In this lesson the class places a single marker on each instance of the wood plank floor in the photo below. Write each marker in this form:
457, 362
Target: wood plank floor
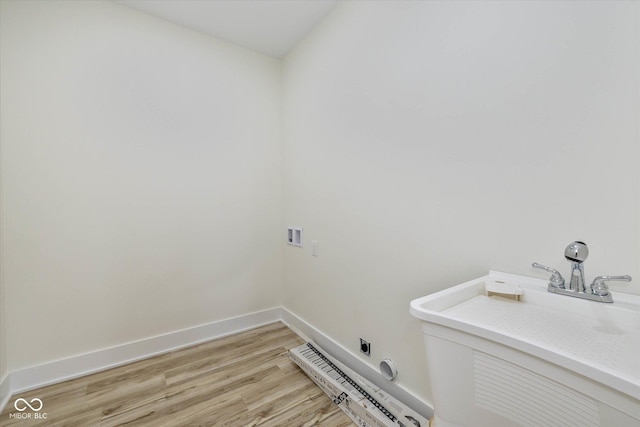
241, 380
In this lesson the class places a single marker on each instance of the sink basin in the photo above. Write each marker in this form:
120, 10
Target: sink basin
562, 345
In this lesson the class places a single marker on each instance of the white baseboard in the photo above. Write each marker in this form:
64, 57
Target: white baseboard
5, 391
84, 364
309, 332
89, 363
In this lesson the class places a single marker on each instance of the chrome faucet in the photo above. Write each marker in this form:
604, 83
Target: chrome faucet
577, 252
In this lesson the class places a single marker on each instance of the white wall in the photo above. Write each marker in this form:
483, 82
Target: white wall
428, 142
3, 345
141, 178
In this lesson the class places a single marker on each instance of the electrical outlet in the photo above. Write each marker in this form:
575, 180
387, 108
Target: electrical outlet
365, 347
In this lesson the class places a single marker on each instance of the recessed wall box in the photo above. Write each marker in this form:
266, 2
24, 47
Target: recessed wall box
294, 236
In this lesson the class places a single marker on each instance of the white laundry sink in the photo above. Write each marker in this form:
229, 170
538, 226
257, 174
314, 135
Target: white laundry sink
547, 359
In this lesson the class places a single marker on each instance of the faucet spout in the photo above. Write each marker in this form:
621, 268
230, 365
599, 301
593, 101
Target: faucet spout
577, 278
577, 252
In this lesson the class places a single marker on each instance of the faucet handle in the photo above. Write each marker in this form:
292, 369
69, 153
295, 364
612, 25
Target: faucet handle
556, 280
598, 287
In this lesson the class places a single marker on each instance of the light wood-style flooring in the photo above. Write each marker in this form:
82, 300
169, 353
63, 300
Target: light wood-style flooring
241, 380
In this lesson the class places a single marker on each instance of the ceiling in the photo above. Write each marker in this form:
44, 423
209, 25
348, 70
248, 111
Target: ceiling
272, 27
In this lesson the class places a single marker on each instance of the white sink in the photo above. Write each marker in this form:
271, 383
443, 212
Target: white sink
580, 347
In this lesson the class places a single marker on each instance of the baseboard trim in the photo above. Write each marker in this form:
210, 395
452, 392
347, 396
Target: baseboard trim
100, 360
84, 364
309, 332
5, 391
